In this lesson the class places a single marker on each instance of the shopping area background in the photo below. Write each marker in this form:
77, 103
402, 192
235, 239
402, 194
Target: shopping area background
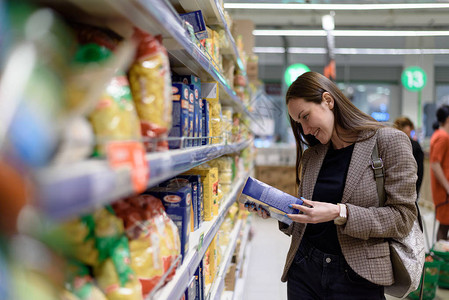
128, 129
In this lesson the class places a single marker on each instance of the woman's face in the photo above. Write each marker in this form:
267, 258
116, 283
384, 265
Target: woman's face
315, 119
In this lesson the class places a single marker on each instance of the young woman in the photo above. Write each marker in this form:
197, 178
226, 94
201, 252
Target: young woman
338, 248
439, 166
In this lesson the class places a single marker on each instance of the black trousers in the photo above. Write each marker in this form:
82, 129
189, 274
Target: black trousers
317, 275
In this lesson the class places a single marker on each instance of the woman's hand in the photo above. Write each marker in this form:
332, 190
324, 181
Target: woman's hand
318, 212
264, 214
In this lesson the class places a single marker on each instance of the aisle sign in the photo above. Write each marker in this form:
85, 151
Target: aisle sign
414, 78
293, 71
131, 155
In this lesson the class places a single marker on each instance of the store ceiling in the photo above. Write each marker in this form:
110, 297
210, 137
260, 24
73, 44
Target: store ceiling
384, 19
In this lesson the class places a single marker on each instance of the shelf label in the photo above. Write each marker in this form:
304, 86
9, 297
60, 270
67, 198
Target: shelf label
200, 242
132, 155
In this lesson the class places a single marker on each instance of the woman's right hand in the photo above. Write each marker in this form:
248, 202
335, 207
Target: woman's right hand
263, 213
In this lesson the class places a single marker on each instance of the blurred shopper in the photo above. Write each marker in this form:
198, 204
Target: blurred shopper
406, 125
439, 165
339, 248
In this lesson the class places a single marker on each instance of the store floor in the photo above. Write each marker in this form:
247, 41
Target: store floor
268, 251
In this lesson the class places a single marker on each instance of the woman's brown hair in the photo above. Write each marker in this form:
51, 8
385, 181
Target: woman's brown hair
349, 122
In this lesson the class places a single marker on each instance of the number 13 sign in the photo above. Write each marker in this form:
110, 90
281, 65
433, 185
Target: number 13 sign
414, 78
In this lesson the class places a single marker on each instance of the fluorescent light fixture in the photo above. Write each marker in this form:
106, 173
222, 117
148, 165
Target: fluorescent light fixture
351, 51
292, 32
300, 6
280, 32
268, 49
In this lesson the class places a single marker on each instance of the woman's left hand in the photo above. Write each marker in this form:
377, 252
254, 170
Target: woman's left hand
318, 212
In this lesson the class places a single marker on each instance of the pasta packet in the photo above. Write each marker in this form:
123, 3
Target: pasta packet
150, 81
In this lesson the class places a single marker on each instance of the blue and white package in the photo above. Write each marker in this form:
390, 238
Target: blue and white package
271, 199
194, 181
177, 203
205, 122
196, 115
195, 18
191, 116
180, 114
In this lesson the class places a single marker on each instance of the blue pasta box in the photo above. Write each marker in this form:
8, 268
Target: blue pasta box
195, 18
177, 202
188, 80
205, 122
199, 276
180, 114
275, 201
191, 117
197, 195
200, 121
196, 115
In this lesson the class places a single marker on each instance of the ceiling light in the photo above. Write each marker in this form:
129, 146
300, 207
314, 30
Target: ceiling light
291, 32
328, 22
268, 49
299, 6
351, 51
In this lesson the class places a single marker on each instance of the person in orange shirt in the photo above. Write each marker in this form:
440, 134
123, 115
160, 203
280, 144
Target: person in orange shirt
439, 175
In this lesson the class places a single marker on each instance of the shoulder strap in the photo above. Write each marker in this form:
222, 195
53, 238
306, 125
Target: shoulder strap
378, 167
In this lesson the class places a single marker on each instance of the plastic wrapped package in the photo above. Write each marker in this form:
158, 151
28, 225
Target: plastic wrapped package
81, 284
225, 176
227, 124
114, 117
108, 231
115, 276
215, 121
150, 81
80, 235
153, 239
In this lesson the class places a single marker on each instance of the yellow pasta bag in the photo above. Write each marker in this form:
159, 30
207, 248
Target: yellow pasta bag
114, 117
80, 236
115, 276
150, 81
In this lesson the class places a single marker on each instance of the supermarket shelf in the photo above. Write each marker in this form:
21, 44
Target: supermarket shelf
69, 190
241, 258
240, 281
163, 167
243, 244
218, 284
199, 241
156, 17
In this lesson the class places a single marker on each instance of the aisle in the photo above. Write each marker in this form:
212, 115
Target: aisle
269, 248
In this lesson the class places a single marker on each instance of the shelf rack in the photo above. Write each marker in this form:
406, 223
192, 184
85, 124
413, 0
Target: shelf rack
199, 241
218, 284
68, 190
156, 17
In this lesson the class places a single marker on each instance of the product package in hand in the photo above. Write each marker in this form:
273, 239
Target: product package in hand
269, 198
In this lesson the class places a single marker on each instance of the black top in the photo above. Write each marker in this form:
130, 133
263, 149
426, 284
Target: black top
329, 188
419, 157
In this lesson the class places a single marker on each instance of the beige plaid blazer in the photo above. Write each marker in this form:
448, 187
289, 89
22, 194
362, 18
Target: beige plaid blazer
362, 238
